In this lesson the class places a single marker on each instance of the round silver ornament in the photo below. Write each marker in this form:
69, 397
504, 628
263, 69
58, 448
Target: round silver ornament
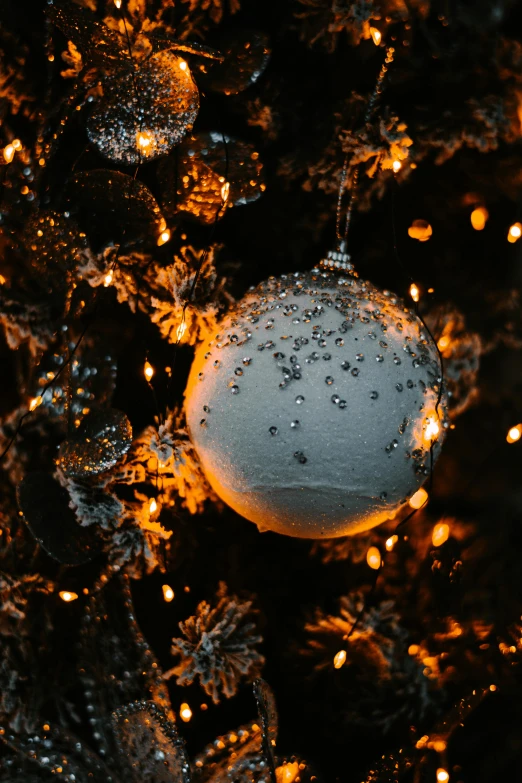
317, 408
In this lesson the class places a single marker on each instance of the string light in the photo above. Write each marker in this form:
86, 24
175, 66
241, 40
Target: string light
225, 192
479, 218
144, 141
108, 278
397, 166
339, 659
182, 328
163, 237
376, 35
415, 292
420, 230
440, 534
432, 428
168, 593
514, 434
35, 402
515, 232
418, 499
442, 775
373, 558
287, 773
183, 65
148, 371
153, 506
117, 3
9, 152
390, 542
443, 343
185, 713
67, 596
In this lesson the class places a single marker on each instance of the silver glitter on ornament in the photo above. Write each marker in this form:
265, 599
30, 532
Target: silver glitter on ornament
359, 461
147, 107
99, 442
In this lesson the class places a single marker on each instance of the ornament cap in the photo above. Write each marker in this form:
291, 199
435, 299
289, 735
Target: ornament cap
338, 259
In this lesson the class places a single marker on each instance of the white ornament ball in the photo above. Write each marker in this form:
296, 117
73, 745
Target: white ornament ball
315, 406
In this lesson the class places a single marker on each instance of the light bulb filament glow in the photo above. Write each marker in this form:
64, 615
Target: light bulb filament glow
185, 713
373, 558
414, 292
514, 434
339, 659
168, 593
418, 499
67, 596
148, 371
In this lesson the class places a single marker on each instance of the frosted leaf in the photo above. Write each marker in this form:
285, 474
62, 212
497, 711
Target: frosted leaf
150, 743
219, 646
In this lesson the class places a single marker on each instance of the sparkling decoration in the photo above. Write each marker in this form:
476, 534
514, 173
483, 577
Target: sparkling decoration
55, 245
46, 509
102, 438
146, 108
363, 377
246, 55
116, 207
205, 175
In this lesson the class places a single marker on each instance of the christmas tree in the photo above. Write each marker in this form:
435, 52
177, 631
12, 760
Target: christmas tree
194, 196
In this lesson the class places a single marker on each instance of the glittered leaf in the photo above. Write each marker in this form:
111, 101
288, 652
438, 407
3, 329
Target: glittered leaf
193, 181
145, 109
102, 438
150, 744
45, 506
116, 207
116, 664
95, 41
246, 55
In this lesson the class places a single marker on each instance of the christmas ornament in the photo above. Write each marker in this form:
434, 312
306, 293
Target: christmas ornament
147, 107
101, 439
316, 409
46, 509
205, 174
116, 208
246, 55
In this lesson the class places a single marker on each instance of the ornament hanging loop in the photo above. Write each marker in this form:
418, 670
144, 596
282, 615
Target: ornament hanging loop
339, 259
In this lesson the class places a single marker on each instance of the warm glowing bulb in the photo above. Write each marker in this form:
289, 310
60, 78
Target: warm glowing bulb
107, 280
414, 292
153, 506
479, 218
182, 328
163, 237
117, 3
442, 776
185, 713
443, 343
418, 499
390, 542
397, 166
35, 402
17, 144
514, 434
339, 659
440, 534
515, 232
432, 428
168, 593
373, 558
287, 773
144, 142
183, 65
225, 192
376, 35
421, 230
67, 596
9, 152
148, 371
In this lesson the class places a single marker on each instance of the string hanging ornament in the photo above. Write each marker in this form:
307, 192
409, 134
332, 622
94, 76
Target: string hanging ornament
317, 408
